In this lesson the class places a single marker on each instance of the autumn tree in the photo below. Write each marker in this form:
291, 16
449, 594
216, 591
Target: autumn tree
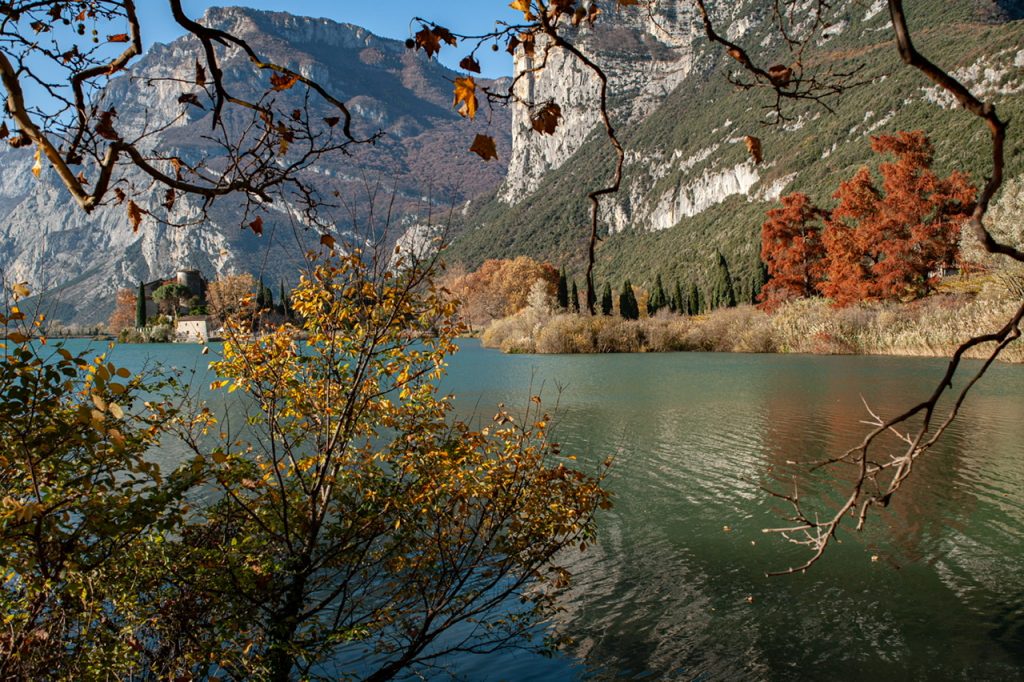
886, 243
229, 294
500, 288
366, 523
793, 251
124, 313
81, 495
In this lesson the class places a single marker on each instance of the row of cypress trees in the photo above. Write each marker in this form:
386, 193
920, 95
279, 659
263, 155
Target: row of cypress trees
679, 299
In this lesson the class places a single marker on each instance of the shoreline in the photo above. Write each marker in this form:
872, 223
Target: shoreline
934, 328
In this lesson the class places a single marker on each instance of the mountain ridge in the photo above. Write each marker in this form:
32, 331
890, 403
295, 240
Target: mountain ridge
47, 241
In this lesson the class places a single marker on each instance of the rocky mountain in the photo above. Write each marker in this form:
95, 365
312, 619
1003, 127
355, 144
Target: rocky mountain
422, 162
690, 186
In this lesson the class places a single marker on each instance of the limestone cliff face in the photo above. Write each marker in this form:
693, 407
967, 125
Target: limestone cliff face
645, 56
81, 260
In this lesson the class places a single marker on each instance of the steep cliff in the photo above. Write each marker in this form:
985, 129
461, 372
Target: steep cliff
422, 159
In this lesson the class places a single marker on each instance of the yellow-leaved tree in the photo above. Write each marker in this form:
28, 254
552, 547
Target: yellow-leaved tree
357, 526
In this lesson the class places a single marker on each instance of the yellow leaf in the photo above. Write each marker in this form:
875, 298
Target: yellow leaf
21, 290
38, 167
465, 92
218, 384
524, 7
100, 403
116, 410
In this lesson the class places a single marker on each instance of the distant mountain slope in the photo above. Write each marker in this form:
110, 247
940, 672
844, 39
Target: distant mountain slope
48, 242
690, 186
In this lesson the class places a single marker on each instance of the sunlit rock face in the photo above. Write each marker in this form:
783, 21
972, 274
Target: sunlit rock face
644, 55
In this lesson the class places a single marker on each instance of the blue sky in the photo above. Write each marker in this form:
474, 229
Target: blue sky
389, 18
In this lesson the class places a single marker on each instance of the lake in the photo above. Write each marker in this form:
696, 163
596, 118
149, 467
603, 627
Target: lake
933, 589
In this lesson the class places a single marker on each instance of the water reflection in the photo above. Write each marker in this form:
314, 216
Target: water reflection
665, 593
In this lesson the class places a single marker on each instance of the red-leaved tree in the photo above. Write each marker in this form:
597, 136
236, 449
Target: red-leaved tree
793, 251
887, 244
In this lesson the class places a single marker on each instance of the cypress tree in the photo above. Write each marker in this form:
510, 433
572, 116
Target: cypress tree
140, 306
628, 307
657, 299
724, 294
575, 298
562, 293
759, 280
261, 298
693, 303
284, 301
264, 296
606, 299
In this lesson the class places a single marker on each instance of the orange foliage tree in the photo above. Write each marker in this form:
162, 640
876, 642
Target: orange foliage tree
226, 296
793, 251
885, 244
499, 288
123, 316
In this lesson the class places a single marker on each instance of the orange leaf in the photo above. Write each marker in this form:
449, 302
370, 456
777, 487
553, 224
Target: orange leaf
200, 74
257, 226
327, 240
134, 215
780, 75
283, 81
754, 147
546, 120
118, 38
429, 41
105, 127
484, 147
465, 92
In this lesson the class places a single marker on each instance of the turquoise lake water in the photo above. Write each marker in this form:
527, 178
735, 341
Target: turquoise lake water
675, 589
